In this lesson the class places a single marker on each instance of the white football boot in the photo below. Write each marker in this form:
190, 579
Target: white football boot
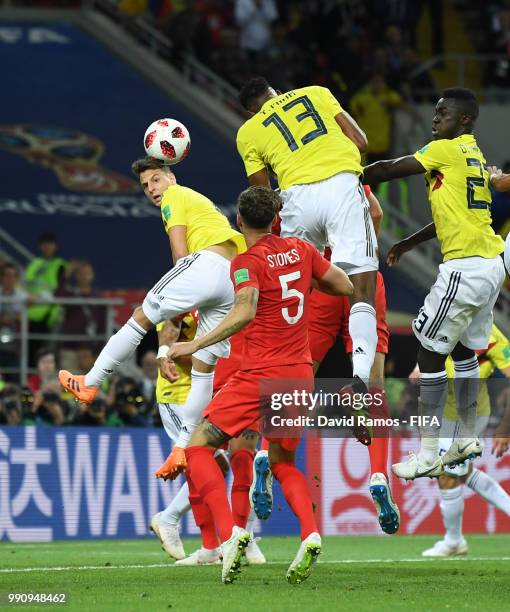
202, 556
307, 554
461, 450
442, 549
413, 468
253, 554
168, 536
232, 551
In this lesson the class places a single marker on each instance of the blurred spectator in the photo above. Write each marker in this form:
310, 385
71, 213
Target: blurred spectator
128, 404
372, 108
254, 18
85, 358
230, 61
11, 406
394, 48
93, 415
10, 317
46, 371
500, 209
44, 275
48, 407
416, 89
82, 319
189, 32
149, 365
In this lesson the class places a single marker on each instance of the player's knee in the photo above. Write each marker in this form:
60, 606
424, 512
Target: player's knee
246, 440
277, 454
461, 352
141, 318
363, 288
447, 482
429, 361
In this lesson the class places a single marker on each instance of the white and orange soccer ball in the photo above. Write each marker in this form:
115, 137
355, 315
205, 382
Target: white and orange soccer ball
167, 140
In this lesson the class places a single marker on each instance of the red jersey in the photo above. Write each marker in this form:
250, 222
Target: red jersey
282, 270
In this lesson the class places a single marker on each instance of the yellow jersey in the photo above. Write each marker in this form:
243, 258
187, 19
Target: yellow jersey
496, 355
177, 392
205, 224
458, 188
297, 136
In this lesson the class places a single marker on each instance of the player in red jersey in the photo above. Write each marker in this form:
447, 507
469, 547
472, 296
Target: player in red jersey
329, 318
272, 281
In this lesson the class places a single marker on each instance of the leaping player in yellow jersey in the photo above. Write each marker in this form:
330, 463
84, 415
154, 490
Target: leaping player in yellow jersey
497, 355
456, 318
313, 146
203, 243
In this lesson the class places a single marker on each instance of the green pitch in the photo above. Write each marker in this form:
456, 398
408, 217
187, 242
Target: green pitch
354, 573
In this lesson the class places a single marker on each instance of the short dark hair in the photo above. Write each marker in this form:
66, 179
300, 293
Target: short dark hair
251, 90
148, 163
465, 98
258, 206
47, 237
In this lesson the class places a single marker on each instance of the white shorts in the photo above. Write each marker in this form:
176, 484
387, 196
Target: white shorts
335, 213
459, 305
448, 432
202, 281
172, 417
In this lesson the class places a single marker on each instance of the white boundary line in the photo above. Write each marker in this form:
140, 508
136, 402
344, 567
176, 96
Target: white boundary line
73, 568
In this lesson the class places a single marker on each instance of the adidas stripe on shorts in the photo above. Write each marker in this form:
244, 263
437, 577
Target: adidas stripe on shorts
459, 305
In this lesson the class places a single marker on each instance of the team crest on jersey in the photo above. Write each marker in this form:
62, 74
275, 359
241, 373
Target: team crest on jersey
241, 276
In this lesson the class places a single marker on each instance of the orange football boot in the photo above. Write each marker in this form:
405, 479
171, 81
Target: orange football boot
76, 385
174, 465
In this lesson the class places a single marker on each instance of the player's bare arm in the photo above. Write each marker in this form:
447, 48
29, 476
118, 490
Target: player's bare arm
177, 236
388, 169
242, 313
167, 335
500, 181
260, 178
334, 282
407, 244
352, 130
376, 212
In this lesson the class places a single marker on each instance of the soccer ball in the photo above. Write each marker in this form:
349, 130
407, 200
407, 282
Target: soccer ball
167, 140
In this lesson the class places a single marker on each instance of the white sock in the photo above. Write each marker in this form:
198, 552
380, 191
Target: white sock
118, 348
178, 506
200, 394
252, 518
363, 332
489, 489
452, 509
467, 385
433, 393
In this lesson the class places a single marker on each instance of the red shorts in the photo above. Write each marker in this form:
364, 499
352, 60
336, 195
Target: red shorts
329, 317
237, 406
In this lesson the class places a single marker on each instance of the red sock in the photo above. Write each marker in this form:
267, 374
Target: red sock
297, 495
241, 463
203, 517
209, 482
264, 445
378, 450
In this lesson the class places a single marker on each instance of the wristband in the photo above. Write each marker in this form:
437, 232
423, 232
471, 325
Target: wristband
162, 351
